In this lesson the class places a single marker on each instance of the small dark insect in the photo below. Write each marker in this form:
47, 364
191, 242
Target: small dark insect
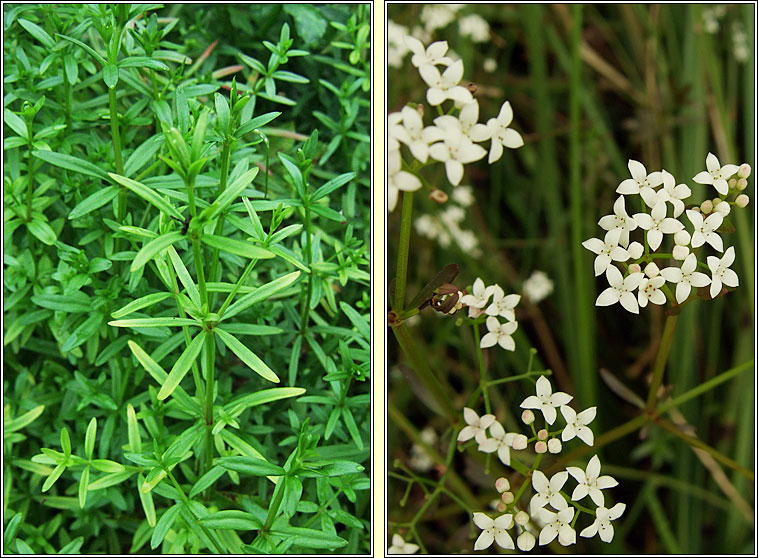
185, 223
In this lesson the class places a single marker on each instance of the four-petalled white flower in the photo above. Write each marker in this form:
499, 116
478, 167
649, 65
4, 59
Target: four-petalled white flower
493, 530
456, 150
602, 524
607, 250
557, 525
547, 492
640, 179
432, 55
685, 277
445, 86
478, 299
502, 305
501, 134
576, 424
590, 482
500, 441
399, 546
475, 426
413, 134
619, 220
545, 400
705, 229
499, 334
620, 290
398, 179
721, 274
657, 224
716, 174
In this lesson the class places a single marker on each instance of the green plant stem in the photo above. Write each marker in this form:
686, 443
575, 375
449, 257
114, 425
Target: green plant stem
211, 535
425, 374
482, 370
304, 311
236, 287
210, 361
226, 155
30, 173
402, 253
660, 360
68, 100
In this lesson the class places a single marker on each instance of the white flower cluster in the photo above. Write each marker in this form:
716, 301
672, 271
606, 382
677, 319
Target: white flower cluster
502, 306
446, 226
541, 523
658, 190
538, 286
452, 140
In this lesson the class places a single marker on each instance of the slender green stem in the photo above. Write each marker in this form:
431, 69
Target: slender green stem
482, 370
210, 361
304, 311
219, 549
526, 481
402, 253
30, 172
236, 287
226, 156
660, 360
115, 135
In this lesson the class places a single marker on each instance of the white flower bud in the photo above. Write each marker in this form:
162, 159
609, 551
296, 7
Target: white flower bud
507, 497
526, 541
724, 208
502, 484
500, 506
635, 250
522, 518
706, 207
554, 445
682, 238
635, 268
519, 442
527, 417
542, 434
540, 447
744, 170
732, 182
742, 200
651, 270
741, 184
681, 252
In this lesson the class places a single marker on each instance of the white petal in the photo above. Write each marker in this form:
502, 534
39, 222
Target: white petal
616, 511
698, 279
628, 186
540, 482
712, 162
512, 139
504, 540
606, 481
531, 402
488, 340
544, 389
549, 414
590, 531
547, 534
682, 291
629, 302
470, 416
654, 239
484, 541
729, 278
585, 435
505, 116
593, 467
637, 170
715, 287
507, 343
454, 171
560, 398
607, 297
703, 177
715, 241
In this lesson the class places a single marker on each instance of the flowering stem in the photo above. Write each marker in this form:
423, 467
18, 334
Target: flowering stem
660, 360
402, 254
482, 369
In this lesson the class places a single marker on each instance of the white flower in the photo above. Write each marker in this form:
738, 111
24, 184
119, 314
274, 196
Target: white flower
525, 541
545, 400
590, 482
716, 174
501, 134
685, 278
538, 286
474, 26
413, 134
620, 290
466, 123
500, 334
705, 230
650, 290
445, 86
437, 16
657, 224
399, 546
503, 305
501, 442
602, 524
673, 193
576, 424
607, 250
721, 273
434, 53
455, 151
493, 530
547, 492
396, 47
476, 426
463, 195
640, 179
398, 179
557, 524
478, 298
619, 220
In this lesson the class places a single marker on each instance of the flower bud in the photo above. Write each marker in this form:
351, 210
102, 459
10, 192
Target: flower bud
706, 207
526, 541
522, 518
741, 184
527, 417
744, 170
742, 200
696, 209
438, 196
635, 250
732, 182
502, 484
554, 445
651, 270
500, 506
724, 208
681, 252
682, 238
519, 442
540, 447
507, 497
635, 268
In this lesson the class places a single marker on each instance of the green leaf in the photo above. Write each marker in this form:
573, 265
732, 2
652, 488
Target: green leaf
182, 365
71, 163
222, 111
328, 213
153, 247
38, 33
110, 75
250, 466
24, 420
15, 123
65, 442
185, 277
11, 530
154, 322
50, 481
75, 302
231, 193
147, 194
255, 123
262, 397
83, 483
261, 293
140, 303
83, 332
94, 201
109, 479
107, 466
89, 438
207, 480
309, 538
252, 329
309, 21
332, 185
135, 441
237, 247
295, 173
232, 519
70, 68
72, 547
246, 355
143, 154
163, 525
147, 501
42, 231
142, 62
102, 61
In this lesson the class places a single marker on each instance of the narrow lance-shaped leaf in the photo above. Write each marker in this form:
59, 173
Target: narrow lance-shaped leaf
83, 484
262, 397
147, 194
140, 303
231, 519
147, 502
332, 185
163, 525
185, 277
24, 420
246, 355
15, 122
42, 231
89, 439
261, 293
150, 249
207, 480
38, 33
97, 56
70, 162
237, 247
94, 201
182, 366
154, 322
250, 466
231, 193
